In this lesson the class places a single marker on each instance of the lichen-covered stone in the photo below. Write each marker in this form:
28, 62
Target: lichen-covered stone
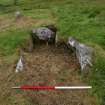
83, 53
43, 34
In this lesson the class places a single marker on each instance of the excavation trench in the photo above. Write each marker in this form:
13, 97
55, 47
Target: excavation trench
45, 66
54, 66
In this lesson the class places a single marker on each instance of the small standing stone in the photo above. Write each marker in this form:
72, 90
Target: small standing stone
18, 15
19, 66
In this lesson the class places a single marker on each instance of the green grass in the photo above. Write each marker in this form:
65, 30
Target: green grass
10, 40
84, 20
98, 79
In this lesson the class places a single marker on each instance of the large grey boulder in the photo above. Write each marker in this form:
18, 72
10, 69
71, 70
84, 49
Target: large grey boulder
46, 34
83, 53
42, 33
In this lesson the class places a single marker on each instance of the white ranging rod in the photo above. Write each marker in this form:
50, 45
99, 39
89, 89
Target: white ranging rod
73, 87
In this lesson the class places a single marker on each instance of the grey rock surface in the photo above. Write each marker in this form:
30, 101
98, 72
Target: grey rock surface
19, 66
83, 53
43, 33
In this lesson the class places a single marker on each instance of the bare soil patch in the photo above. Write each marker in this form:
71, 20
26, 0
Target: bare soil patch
46, 66
25, 22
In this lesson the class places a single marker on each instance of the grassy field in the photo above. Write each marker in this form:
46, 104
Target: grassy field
83, 19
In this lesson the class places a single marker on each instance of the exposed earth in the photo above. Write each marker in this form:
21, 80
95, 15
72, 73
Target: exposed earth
46, 66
